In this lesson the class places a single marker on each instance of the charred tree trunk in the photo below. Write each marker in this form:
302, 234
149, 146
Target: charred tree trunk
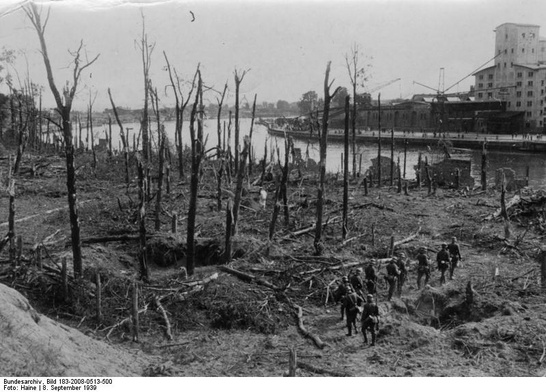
229, 224
405, 155
288, 147
123, 139
196, 156
319, 247
250, 153
379, 142
220, 153
392, 157
238, 81
239, 188
346, 170
143, 258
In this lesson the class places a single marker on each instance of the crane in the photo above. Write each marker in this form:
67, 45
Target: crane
382, 85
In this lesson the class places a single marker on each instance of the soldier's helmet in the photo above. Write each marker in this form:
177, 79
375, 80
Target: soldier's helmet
369, 296
421, 250
349, 289
444, 245
359, 270
344, 279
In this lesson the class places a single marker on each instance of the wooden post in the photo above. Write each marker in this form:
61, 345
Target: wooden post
391, 247
98, 298
399, 177
419, 171
484, 168
406, 188
392, 157
292, 362
405, 155
174, 222
504, 213
134, 311
360, 166
39, 257
365, 187
19, 248
457, 178
168, 180
64, 277
429, 180
229, 223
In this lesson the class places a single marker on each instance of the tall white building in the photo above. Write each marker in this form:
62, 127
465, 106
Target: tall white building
519, 74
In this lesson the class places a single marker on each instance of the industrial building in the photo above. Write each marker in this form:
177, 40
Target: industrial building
518, 75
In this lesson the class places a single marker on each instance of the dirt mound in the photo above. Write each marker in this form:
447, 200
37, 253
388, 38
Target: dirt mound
34, 345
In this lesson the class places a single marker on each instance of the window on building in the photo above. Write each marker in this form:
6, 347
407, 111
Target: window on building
529, 114
522, 50
530, 74
506, 36
511, 65
519, 74
505, 51
530, 83
499, 52
518, 84
508, 104
504, 65
522, 35
480, 95
480, 85
498, 65
518, 94
542, 82
489, 95
529, 104
518, 104
532, 35
533, 50
512, 50
480, 77
490, 85
530, 93
490, 76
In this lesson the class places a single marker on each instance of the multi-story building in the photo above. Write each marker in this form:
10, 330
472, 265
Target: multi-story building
518, 75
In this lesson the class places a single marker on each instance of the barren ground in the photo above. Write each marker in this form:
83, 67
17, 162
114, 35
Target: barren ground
238, 328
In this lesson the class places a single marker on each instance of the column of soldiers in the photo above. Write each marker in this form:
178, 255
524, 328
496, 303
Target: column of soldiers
351, 290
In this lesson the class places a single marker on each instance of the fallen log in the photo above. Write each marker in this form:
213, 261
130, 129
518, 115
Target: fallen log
309, 229
314, 369
249, 278
318, 342
407, 239
125, 320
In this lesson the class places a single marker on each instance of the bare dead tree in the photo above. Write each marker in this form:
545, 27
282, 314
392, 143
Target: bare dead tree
357, 75
143, 254
123, 138
346, 170
319, 247
250, 134
239, 187
196, 156
90, 116
239, 76
64, 107
180, 106
146, 52
161, 140
220, 151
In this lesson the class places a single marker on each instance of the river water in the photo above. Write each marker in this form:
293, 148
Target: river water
497, 159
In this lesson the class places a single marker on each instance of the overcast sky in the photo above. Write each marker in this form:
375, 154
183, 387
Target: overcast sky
284, 44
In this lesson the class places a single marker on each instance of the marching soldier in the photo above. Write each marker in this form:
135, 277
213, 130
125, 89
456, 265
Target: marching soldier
423, 267
357, 282
442, 259
370, 319
351, 303
401, 264
392, 277
341, 293
371, 278
455, 256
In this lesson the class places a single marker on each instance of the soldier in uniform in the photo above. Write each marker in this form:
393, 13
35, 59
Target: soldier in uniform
401, 264
392, 277
341, 292
370, 318
442, 259
455, 255
371, 278
357, 282
351, 303
423, 267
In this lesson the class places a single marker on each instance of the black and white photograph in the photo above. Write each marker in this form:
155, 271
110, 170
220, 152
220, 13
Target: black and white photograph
239, 189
